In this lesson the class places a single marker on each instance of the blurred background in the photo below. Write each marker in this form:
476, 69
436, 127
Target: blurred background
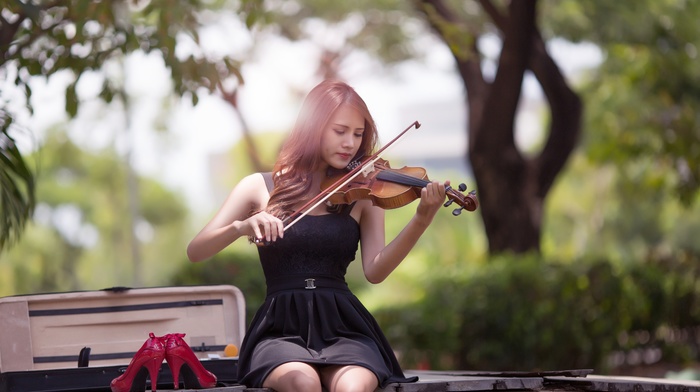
126, 123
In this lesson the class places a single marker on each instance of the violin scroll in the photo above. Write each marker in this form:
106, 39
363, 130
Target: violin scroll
468, 201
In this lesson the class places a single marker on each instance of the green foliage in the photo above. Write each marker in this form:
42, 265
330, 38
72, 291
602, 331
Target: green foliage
382, 28
79, 35
43, 38
641, 102
617, 281
531, 314
459, 37
17, 186
598, 211
81, 237
268, 145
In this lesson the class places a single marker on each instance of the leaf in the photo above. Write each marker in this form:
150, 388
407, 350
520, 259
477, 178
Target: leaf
17, 187
107, 94
71, 100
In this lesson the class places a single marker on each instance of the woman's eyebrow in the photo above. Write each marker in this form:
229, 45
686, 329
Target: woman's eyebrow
347, 126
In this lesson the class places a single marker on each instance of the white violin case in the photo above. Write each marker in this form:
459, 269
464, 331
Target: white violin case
80, 341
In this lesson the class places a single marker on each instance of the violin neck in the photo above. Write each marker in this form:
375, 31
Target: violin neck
405, 179
400, 178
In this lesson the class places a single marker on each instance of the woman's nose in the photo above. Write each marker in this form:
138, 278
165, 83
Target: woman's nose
349, 141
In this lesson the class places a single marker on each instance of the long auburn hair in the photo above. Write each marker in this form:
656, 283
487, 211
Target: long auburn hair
300, 154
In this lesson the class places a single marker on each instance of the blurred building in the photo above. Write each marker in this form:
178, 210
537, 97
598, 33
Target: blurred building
440, 144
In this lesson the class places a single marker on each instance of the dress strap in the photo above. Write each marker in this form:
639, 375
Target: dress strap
347, 208
268, 181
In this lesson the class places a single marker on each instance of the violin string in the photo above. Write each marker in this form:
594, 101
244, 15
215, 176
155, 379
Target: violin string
401, 178
405, 179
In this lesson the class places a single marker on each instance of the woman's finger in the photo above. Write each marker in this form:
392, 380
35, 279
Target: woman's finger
280, 228
256, 232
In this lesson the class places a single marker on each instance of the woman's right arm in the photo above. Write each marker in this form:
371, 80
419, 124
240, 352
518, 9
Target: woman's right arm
232, 221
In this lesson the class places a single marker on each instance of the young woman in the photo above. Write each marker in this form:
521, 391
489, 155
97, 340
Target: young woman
312, 332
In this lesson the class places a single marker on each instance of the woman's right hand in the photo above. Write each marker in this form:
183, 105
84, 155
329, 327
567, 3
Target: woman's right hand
232, 221
263, 227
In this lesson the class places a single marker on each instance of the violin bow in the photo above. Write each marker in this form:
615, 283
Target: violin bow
366, 167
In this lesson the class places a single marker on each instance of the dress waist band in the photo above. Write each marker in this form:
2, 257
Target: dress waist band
302, 282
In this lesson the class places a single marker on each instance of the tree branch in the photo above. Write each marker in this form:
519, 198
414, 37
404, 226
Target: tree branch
7, 34
566, 109
507, 85
468, 66
565, 106
9, 30
498, 19
232, 99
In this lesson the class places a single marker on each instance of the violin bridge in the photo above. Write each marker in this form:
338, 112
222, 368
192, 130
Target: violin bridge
367, 169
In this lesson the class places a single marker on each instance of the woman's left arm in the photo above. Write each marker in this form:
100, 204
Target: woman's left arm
378, 260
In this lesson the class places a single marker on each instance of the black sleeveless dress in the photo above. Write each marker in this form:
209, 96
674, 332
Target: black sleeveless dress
309, 314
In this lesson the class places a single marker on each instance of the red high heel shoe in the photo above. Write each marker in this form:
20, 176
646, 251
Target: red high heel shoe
149, 358
178, 353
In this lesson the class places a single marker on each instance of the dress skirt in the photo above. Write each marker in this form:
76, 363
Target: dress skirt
319, 321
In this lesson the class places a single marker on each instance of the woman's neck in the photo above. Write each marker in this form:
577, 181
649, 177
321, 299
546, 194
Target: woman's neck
316, 180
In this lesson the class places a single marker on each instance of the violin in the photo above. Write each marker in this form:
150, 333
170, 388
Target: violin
374, 179
389, 188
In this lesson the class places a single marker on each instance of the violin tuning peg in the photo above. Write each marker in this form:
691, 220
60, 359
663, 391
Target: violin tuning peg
473, 192
462, 187
457, 211
447, 203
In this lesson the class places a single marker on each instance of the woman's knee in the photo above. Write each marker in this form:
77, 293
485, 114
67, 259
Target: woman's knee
355, 385
350, 379
293, 377
301, 382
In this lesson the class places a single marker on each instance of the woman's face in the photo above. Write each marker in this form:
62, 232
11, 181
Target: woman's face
342, 137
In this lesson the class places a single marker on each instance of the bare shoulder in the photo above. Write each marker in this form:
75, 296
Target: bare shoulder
253, 188
364, 210
253, 181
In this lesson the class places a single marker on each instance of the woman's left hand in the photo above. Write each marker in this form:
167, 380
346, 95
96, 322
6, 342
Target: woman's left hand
432, 197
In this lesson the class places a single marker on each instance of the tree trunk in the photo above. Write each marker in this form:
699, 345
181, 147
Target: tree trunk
511, 187
232, 99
